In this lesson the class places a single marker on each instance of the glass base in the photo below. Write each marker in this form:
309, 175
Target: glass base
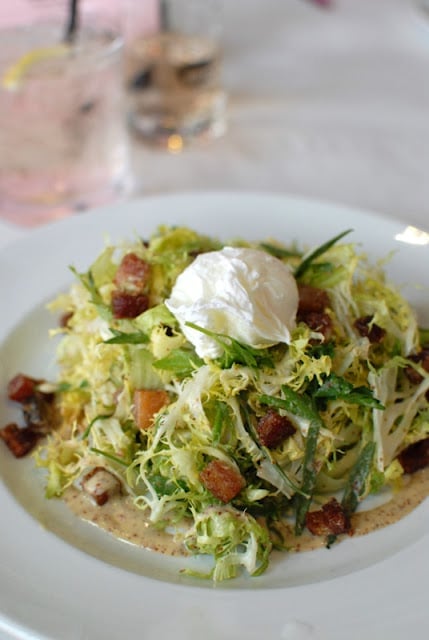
165, 129
158, 135
27, 213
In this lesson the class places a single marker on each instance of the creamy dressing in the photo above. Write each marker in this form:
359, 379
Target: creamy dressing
122, 519
414, 490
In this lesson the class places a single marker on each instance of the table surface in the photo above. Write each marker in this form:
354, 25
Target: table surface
331, 104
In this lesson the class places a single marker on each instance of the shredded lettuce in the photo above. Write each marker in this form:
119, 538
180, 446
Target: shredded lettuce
352, 406
233, 538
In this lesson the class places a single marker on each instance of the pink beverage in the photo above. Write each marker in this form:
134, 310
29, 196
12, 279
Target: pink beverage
63, 138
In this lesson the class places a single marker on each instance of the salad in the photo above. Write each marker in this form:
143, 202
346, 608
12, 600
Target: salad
228, 387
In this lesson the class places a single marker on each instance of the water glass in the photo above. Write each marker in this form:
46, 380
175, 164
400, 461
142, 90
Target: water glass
174, 75
63, 132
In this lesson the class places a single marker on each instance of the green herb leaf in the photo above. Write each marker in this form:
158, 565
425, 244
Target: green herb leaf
221, 414
165, 486
182, 362
309, 259
322, 349
336, 387
299, 405
120, 337
87, 281
234, 352
358, 478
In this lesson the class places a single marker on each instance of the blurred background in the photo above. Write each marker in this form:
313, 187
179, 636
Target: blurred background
326, 99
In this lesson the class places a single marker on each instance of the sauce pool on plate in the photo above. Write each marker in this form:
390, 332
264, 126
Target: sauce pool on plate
122, 519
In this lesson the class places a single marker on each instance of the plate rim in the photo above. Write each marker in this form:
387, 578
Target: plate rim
62, 227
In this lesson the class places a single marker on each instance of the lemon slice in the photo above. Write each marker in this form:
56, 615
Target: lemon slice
15, 73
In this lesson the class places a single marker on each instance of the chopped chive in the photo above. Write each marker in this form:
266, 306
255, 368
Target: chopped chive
221, 412
309, 476
356, 484
309, 259
109, 456
357, 478
279, 252
89, 427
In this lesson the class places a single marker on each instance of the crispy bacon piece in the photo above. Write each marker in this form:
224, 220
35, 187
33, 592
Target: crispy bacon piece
415, 456
373, 332
413, 376
320, 322
273, 428
128, 305
132, 274
100, 485
38, 410
130, 298
312, 299
222, 480
64, 319
331, 519
422, 358
311, 309
20, 441
21, 387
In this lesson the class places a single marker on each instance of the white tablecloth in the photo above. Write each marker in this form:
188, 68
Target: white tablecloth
331, 104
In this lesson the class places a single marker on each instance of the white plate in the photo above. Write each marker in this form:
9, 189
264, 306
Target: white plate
63, 579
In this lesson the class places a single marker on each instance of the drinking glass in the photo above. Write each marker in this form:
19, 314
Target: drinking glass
63, 132
174, 75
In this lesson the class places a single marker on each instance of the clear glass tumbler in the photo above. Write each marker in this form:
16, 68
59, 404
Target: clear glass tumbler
63, 132
174, 75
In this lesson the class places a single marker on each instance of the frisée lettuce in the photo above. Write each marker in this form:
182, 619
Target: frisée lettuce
220, 449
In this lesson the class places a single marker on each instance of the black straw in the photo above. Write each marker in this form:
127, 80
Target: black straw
72, 21
164, 17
